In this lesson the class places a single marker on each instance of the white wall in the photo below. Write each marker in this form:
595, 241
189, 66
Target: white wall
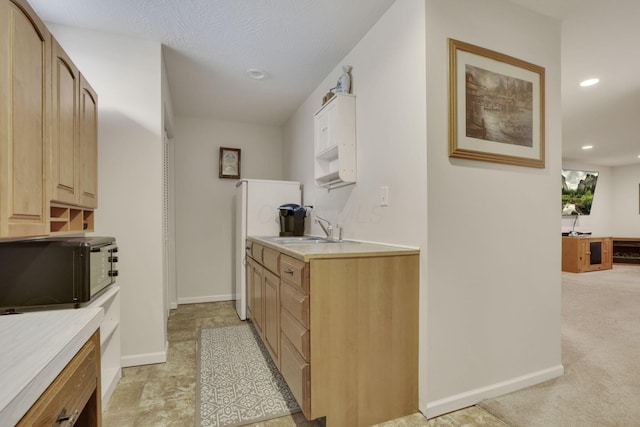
203, 202
493, 273
126, 73
600, 221
625, 201
490, 317
389, 84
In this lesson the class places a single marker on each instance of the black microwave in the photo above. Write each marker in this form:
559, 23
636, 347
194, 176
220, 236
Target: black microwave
55, 271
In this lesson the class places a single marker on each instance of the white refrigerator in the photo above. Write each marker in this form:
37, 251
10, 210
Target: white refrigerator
256, 214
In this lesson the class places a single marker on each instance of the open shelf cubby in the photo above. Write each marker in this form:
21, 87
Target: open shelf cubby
626, 250
69, 219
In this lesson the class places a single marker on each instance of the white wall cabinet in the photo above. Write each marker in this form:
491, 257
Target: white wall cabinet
335, 142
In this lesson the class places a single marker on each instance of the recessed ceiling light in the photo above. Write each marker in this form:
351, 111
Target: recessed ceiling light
589, 82
255, 73
587, 147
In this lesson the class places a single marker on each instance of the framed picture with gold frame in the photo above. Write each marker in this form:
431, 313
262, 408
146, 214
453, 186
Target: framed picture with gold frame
229, 163
496, 107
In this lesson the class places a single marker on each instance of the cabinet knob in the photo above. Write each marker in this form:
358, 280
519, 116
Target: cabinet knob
288, 271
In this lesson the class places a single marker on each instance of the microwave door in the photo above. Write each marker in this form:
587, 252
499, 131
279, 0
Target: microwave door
101, 268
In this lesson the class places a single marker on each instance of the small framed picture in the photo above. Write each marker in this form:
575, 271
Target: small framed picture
229, 163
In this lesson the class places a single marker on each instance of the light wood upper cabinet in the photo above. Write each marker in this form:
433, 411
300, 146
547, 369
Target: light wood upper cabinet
25, 82
74, 138
48, 132
64, 127
88, 157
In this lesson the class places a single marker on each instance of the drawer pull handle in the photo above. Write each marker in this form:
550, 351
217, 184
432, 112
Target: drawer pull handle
69, 419
288, 271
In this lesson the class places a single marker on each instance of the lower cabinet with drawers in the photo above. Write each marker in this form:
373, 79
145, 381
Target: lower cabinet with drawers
74, 396
342, 330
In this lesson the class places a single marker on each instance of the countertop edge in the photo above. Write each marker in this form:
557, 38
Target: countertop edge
18, 406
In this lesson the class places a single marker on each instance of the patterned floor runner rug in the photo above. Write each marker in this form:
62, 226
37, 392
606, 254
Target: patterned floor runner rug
237, 382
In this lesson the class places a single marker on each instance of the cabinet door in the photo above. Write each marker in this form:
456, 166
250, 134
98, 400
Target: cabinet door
25, 81
250, 287
258, 300
64, 127
607, 253
598, 254
271, 327
88, 148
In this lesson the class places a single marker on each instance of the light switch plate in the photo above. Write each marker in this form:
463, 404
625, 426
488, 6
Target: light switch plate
384, 195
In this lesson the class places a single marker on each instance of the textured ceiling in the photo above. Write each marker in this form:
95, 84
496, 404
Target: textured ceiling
209, 44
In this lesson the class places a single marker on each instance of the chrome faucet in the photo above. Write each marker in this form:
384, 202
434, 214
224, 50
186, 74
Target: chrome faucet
328, 230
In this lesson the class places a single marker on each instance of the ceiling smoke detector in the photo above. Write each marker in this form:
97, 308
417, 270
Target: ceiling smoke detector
255, 73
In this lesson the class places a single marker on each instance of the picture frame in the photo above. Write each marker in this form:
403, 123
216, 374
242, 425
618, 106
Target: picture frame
229, 163
496, 107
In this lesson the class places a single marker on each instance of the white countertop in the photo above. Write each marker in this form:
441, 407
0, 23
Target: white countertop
343, 249
34, 348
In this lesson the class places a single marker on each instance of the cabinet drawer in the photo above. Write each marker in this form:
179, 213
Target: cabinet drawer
270, 259
294, 272
296, 333
296, 302
297, 374
256, 252
70, 391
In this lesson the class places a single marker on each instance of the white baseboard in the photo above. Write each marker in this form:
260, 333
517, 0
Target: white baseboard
144, 359
210, 298
470, 398
111, 388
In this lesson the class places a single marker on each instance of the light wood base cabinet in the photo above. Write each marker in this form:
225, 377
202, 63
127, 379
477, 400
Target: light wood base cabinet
580, 254
348, 342
364, 339
74, 396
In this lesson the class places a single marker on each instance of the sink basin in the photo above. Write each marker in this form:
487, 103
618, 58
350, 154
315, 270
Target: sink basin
305, 240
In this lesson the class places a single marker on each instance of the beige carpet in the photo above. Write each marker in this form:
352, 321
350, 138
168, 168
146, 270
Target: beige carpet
600, 354
237, 381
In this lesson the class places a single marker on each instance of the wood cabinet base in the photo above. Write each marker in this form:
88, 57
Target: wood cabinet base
580, 254
364, 339
73, 398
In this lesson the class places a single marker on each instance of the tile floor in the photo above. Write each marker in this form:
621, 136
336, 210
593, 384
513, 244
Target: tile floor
164, 394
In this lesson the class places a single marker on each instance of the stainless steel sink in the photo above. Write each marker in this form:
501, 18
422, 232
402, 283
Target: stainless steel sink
301, 240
